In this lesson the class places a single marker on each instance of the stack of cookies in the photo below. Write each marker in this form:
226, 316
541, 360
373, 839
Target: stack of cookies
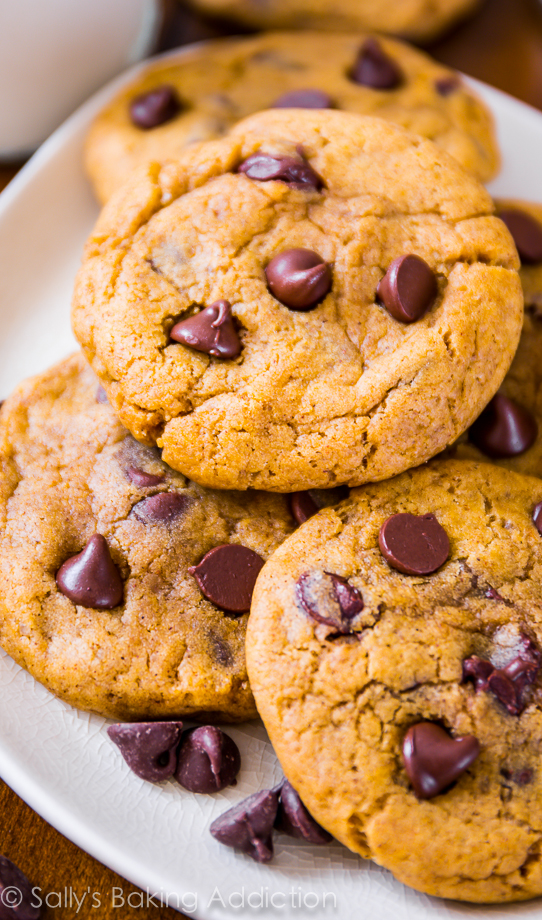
283, 320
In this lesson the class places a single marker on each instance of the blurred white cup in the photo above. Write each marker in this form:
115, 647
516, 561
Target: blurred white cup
55, 53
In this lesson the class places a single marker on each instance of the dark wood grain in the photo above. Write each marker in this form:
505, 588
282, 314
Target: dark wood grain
502, 45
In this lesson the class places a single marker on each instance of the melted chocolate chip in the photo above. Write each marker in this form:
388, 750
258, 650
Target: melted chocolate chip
101, 396
414, 544
227, 574
143, 480
91, 578
162, 508
537, 517
526, 232
295, 172
408, 289
445, 86
154, 108
509, 683
504, 428
211, 331
208, 760
329, 599
375, 68
304, 99
298, 278
304, 505
433, 760
149, 748
16, 898
294, 819
249, 826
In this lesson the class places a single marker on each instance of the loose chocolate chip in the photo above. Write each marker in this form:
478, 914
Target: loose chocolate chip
375, 68
149, 748
445, 86
304, 99
504, 428
296, 173
329, 599
227, 574
162, 508
141, 479
433, 760
304, 505
101, 396
149, 110
294, 819
16, 898
208, 760
537, 517
211, 331
298, 278
414, 544
91, 578
509, 683
526, 232
249, 826
408, 288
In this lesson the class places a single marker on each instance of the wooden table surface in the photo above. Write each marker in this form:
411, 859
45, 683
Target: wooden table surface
501, 44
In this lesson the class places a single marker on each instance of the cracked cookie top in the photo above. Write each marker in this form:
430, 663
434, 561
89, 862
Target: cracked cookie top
109, 558
200, 93
416, 19
373, 295
406, 709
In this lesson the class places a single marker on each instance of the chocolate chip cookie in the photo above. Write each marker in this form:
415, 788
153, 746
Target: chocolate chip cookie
198, 94
416, 19
394, 652
509, 430
124, 588
319, 298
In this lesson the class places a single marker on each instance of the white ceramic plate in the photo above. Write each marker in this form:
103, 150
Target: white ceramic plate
60, 760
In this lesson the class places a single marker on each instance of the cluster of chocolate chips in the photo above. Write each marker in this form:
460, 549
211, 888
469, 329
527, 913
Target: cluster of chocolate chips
17, 901
202, 759
249, 826
508, 684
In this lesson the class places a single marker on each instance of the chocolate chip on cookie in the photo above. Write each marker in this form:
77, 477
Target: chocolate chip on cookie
375, 68
298, 278
227, 574
143, 480
209, 760
294, 171
91, 578
445, 86
329, 599
158, 106
504, 428
149, 748
162, 508
408, 288
304, 505
527, 234
508, 683
414, 544
434, 760
304, 99
211, 331
249, 826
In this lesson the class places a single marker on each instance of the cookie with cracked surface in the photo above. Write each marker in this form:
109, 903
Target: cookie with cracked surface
390, 318
406, 710
200, 93
509, 431
420, 20
98, 537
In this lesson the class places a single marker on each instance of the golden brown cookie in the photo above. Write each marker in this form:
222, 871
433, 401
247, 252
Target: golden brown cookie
201, 92
318, 298
406, 709
416, 19
509, 430
98, 537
